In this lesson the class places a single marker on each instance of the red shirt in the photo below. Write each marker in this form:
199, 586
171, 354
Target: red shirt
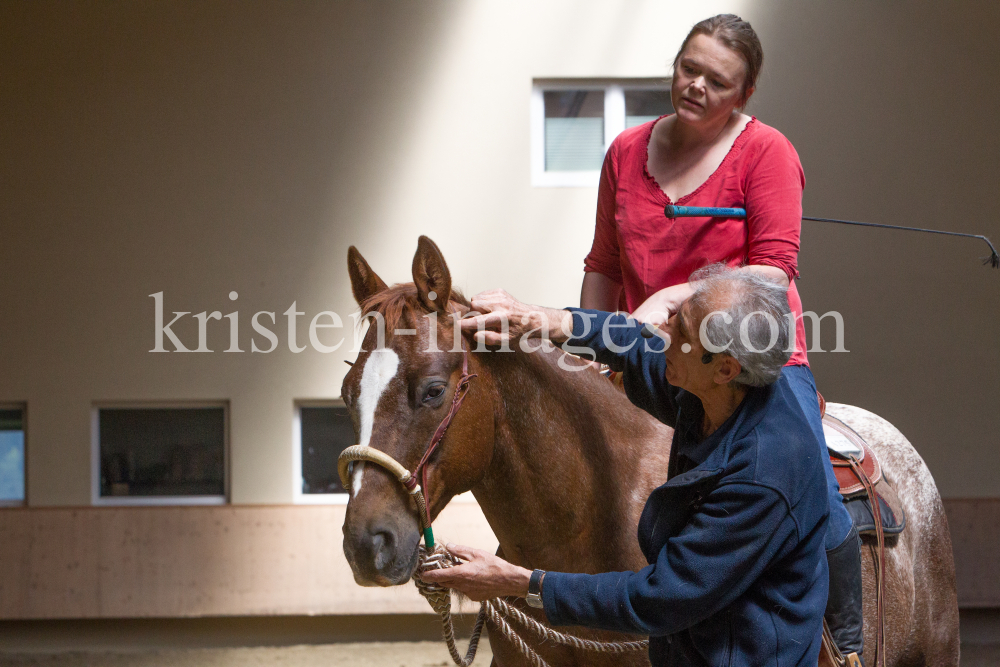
637, 246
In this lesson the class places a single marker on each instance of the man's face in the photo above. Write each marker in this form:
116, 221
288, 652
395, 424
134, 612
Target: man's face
684, 366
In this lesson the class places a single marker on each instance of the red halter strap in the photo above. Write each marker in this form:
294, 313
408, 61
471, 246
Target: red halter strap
461, 389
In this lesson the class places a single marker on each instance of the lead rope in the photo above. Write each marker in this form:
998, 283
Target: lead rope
495, 610
439, 597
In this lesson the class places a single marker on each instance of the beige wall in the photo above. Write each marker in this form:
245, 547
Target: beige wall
252, 560
155, 562
198, 148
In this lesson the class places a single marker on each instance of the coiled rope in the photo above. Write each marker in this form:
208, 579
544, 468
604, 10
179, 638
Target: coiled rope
495, 611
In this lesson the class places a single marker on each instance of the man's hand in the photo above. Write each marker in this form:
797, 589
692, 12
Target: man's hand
482, 576
657, 309
501, 319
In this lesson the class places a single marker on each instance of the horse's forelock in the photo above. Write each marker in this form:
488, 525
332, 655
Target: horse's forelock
401, 299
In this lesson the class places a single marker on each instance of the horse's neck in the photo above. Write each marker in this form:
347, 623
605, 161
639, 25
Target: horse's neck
559, 490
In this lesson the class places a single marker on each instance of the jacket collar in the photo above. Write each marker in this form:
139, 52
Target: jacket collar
739, 425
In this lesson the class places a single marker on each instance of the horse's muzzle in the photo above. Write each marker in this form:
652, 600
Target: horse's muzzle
383, 554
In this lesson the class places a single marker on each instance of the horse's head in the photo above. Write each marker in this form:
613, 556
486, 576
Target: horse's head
398, 392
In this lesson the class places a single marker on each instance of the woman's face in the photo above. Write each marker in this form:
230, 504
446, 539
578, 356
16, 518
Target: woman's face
708, 81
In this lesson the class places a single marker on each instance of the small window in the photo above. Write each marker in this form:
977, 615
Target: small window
161, 455
573, 122
322, 433
11, 456
642, 106
574, 130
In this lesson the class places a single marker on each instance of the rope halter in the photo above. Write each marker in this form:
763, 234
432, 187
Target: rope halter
408, 480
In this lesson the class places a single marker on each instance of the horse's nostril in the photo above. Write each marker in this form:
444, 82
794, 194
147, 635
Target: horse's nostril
383, 547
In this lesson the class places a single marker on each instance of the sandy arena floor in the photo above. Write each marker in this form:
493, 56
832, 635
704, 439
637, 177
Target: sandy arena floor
394, 654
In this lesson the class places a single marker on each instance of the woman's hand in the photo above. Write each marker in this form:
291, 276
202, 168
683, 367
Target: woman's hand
499, 318
482, 576
657, 309
772, 272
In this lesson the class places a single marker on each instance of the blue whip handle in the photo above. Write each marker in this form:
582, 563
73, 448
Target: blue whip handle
703, 212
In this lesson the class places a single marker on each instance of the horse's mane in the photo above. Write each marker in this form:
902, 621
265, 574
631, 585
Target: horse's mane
394, 302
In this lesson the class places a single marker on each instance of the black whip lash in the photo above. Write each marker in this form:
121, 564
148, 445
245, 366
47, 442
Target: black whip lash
713, 212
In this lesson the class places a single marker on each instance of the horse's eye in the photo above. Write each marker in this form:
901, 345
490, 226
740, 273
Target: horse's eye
435, 391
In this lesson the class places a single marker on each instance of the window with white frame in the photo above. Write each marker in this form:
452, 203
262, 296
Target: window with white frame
573, 122
322, 430
160, 455
11, 455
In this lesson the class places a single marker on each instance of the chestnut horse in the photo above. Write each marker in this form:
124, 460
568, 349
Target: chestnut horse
561, 464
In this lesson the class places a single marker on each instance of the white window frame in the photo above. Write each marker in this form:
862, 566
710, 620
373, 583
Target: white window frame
23, 407
614, 124
300, 498
124, 501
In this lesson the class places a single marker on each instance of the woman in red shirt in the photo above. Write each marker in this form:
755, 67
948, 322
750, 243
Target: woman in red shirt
709, 153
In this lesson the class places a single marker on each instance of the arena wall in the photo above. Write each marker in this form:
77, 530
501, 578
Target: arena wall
279, 560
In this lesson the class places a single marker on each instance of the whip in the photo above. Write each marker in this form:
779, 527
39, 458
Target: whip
672, 212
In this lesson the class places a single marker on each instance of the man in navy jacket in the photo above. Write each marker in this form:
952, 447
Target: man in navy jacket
737, 570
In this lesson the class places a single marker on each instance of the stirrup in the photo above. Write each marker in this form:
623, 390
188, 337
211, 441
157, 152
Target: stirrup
831, 656
853, 660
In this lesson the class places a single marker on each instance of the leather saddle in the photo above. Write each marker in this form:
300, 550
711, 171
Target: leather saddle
845, 443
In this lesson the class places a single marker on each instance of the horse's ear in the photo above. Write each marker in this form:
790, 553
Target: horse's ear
431, 276
365, 283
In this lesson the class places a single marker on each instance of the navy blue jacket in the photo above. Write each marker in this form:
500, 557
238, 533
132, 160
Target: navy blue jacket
737, 570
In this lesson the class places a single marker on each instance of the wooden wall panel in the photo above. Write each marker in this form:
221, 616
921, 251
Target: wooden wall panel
148, 562
975, 539
134, 562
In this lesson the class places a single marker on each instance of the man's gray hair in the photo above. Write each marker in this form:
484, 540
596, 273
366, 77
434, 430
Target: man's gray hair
745, 315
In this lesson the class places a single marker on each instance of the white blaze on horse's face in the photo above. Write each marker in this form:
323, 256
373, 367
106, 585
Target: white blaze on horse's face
380, 368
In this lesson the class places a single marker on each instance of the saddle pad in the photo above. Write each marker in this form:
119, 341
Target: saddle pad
893, 516
848, 481
839, 443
